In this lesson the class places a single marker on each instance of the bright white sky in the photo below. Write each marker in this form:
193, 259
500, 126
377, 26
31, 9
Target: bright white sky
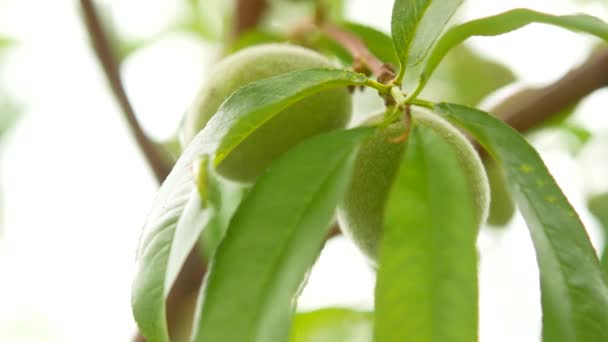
76, 190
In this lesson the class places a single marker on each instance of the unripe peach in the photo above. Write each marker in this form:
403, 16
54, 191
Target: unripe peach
324, 111
361, 212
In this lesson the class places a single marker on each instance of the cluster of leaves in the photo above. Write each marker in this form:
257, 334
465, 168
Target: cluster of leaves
427, 278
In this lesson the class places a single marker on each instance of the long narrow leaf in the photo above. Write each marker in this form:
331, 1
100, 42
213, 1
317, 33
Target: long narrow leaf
150, 286
273, 240
504, 23
193, 220
227, 198
574, 291
256, 103
415, 25
208, 217
426, 288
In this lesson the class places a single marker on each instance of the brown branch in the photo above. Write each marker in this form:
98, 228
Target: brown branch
526, 110
362, 57
156, 157
248, 14
190, 278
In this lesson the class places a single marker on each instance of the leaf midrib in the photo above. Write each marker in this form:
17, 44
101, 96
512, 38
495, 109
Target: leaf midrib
404, 62
416, 28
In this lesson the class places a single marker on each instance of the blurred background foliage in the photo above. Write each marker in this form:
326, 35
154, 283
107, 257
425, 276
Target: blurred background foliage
200, 32
9, 109
338, 325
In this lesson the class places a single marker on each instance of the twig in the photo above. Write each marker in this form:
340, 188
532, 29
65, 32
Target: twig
359, 51
248, 14
192, 274
156, 157
407, 122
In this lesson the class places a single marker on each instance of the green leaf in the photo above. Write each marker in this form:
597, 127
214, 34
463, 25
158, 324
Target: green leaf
502, 206
273, 240
415, 25
426, 288
379, 43
227, 195
195, 217
255, 103
574, 292
151, 285
332, 325
504, 23
205, 218
253, 37
598, 205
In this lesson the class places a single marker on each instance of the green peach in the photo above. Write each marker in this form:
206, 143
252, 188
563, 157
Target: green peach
502, 206
324, 111
361, 212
